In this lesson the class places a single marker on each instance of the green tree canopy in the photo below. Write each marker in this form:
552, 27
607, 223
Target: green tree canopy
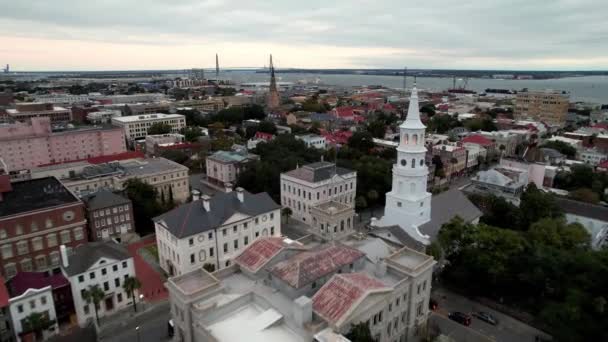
159, 128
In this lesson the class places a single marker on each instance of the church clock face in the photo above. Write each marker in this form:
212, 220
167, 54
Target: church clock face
403, 162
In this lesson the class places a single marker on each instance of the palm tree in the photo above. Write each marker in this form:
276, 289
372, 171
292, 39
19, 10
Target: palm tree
287, 212
36, 322
94, 295
130, 285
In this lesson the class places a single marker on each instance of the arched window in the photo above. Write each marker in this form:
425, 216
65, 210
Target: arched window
412, 187
405, 138
265, 232
415, 139
202, 255
413, 163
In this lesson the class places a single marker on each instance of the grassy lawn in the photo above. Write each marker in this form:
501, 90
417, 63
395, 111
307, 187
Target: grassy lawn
153, 249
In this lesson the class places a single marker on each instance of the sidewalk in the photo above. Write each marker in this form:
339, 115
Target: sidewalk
152, 282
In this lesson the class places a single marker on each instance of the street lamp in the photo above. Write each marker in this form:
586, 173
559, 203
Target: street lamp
141, 300
137, 332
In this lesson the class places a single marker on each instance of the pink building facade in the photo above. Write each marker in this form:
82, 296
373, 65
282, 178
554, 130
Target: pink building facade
27, 145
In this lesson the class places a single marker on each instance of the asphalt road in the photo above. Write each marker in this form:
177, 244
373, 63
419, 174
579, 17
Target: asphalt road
508, 328
152, 328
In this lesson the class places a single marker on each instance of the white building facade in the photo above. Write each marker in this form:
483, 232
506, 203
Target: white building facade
313, 140
408, 204
102, 264
33, 301
136, 126
312, 184
215, 230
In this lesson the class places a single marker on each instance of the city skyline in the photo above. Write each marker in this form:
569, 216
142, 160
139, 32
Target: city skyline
506, 35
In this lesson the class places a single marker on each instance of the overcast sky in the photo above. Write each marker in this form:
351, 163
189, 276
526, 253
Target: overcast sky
175, 34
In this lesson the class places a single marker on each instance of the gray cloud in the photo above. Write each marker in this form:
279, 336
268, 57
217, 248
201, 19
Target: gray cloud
445, 32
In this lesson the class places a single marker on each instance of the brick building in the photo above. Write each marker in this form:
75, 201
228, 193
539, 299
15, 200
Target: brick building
26, 111
109, 215
36, 216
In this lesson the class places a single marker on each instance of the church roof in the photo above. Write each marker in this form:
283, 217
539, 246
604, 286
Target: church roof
446, 206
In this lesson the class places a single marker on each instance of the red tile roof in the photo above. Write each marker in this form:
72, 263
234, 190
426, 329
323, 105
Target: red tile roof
601, 125
306, 267
264, 136
342, 293
114, 157
478, 139
4, 297
24, 281
603, 165
254, 257
347, 111
105, 159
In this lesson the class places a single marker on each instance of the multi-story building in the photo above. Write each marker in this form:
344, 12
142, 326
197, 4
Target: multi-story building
592, 156
36, 216
110, 216
136, 126
212, 104
332, 220
27, 145
6, 330
312, 184
505, 142
134, 98
103, 116
453, 158
60, 287
276, 291
313, 140
214, 230
102, 264
547, 106
169, 179
146, 108
61, 99
475, 153
155, 140
33, 301
26, 111
508, 183
225, 166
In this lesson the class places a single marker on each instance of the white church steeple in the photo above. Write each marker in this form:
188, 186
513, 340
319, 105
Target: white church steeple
408, 204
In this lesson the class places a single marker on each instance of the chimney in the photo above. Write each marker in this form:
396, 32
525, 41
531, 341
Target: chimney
380, 270
240, 194
196, 195
373, 222
228, 187
206, 202
64, 256
302, 311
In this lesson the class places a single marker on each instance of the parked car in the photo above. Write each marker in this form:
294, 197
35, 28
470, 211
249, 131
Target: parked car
433, 304
486, 317
460, 317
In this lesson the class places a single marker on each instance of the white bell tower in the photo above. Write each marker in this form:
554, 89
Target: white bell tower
408, 204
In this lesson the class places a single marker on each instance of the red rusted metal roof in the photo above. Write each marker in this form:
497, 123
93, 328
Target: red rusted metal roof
306, 267
254, 257
477, 139
339, 296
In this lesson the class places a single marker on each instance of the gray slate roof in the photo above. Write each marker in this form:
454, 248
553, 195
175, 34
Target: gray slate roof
104, 199
583, 209
191, 218
317, 172
397, 235
84, 256
444, 207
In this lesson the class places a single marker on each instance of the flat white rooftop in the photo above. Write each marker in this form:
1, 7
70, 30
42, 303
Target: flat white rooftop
253, 324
